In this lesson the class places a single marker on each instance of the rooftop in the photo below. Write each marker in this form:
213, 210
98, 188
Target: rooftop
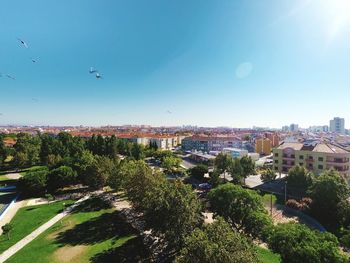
314, 147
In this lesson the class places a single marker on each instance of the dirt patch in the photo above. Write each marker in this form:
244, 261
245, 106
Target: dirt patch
66, 225
69, 254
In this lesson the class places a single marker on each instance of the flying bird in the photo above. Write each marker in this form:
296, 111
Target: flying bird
10, 77
98, 76
169, 112
34, 99
92, 70
33, 60
23, 42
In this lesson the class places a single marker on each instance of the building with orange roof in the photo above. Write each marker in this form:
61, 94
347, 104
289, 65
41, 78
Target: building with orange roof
315, 156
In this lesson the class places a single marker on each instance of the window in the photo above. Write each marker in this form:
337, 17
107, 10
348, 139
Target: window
276, 168
276, 161
320, 159
292, 156
301, 164
276, 154
301, 157
320, 166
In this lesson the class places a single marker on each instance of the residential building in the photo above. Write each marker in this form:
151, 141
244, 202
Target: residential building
263, 146
315, 156
235, 152
210, 143
273, 137
337, 125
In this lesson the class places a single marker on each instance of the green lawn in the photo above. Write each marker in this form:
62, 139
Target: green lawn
28, 219
94, 233
267, 256
3, 178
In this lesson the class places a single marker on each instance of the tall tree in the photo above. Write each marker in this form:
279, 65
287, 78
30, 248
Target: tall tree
297, 243
216, 243
242, 208
300, 179
222, 162
327, 193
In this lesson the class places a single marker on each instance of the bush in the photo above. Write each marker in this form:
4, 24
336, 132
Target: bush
61, 177
34, 183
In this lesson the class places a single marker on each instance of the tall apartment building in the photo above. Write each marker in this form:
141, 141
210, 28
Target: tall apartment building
210, 143
263, 146
273, 137
337, 125
294, 127
315, 156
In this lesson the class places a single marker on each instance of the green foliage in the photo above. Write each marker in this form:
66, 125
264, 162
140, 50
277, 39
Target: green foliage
242, 208
248, 166
330, 193
216, 243
222, 162
268, 175
297, 243
300, 178
34, 183
6, 230
61, 177
27, 150
236, 171
199, 171
171, 210
98, 173
3, 152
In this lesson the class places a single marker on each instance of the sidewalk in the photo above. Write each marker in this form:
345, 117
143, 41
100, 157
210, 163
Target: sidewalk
26, 240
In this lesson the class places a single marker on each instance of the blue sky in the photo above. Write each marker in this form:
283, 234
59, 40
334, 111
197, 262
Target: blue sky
212, 63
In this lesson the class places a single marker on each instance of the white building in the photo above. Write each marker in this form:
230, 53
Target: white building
337, 125
235, 152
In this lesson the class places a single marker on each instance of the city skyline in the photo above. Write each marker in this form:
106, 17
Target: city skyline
201, 63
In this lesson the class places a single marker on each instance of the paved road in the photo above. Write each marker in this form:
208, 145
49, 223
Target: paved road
26, 240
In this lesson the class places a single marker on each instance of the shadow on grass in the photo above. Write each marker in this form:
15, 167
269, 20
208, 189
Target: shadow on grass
96, 230
131, 251
92, 204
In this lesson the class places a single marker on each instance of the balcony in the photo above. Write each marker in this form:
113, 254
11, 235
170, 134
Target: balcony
337, 160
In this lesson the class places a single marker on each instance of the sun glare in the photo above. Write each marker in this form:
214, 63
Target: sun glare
337, 14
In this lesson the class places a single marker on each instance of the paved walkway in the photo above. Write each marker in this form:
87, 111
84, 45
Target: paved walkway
20, 244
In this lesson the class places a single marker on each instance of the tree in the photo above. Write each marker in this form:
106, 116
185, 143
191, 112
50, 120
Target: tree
169, 163
34, 183
97, 174
297, 243
236, 170
216, 243
328, 191
27, 150
268, 175
248, 166
61, 177
222, 162
242, 208
214, 178
6, 230
199, 171
300, 178
172, 211
3, 152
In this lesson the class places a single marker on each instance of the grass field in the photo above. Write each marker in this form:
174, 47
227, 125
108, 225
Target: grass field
28, 219
94, 233
266, 256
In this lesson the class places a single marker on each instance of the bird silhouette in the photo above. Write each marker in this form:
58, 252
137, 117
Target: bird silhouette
92, 70
98, 75
169, 112
23, 42
10, 77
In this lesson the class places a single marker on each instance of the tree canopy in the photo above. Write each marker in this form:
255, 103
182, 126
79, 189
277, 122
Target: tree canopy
216, 243
242, 208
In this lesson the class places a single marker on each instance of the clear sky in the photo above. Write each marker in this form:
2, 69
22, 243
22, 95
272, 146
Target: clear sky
214, 63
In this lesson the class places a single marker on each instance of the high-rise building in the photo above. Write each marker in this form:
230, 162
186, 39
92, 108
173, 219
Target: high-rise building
294, 127
337, 125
